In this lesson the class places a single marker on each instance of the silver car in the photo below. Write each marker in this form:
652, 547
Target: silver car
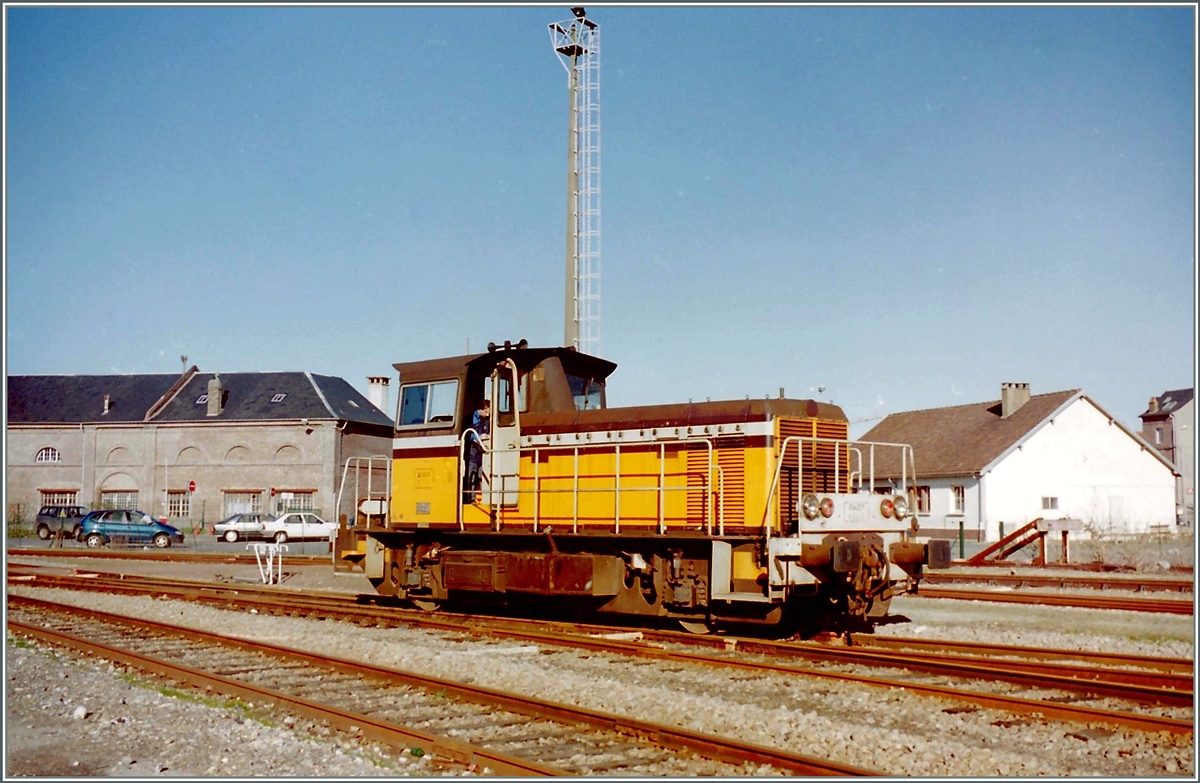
298, 526
242, 526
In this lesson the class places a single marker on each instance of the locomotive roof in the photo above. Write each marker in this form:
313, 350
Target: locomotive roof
685, 414
526, 358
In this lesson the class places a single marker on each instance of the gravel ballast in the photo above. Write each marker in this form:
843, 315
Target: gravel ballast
883, 729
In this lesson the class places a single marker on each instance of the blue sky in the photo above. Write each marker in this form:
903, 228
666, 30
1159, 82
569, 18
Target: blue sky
907, 206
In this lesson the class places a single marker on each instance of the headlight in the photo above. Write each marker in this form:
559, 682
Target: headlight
810, 506
827, 507
901, 507
885, 508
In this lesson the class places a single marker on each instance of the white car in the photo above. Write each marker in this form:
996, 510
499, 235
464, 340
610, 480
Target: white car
298, 526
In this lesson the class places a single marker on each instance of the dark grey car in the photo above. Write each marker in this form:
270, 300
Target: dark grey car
242, 526
52, 519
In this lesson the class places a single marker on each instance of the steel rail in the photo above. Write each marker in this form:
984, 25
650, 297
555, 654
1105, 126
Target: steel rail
1156, 605
1130, 583
1144, 687
941, 646
711, 746
164, 556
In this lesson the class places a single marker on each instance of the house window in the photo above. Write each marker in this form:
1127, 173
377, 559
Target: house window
203, 398
294, 501
179, 503
923, 500
428, 403
120, 499
48, 454
958, 499
60, 497
1158, 436
243, 502
1049, 504
278, 398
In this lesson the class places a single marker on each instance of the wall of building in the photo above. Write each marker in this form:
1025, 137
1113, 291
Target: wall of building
1098, 473
1184, 449
941, 519
152, 459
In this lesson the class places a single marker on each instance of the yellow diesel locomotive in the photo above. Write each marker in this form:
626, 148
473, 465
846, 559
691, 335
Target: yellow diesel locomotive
714, 513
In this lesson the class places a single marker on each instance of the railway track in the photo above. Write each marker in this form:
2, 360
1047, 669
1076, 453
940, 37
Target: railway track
174, 556
1137, 584
1124, 604
504, 733
1156, 683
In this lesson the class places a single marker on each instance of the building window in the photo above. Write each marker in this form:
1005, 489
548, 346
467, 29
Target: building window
1049, 504
120, 499
923, 500
294, 501
1158, 436
243, 502
48, 454
428, 403
179, 503
278, 398
203, 398
958, 499
60, 497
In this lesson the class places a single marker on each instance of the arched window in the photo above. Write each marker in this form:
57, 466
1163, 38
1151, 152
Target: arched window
48, 454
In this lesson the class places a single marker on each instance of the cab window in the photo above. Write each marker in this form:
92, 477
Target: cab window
588, 393
428, 403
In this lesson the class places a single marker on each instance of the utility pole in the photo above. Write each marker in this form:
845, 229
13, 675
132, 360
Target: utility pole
577, 43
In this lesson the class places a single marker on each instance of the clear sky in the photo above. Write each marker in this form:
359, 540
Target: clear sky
906, 206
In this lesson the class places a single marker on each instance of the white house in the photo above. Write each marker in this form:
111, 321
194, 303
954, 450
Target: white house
993, 466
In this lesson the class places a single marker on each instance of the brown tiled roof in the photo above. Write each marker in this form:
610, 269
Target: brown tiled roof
962, 440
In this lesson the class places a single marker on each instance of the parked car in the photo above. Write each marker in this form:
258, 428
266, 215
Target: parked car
298, 525
122, 526
242, 526
54, 519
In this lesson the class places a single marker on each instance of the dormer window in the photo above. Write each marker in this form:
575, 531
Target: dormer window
278, 398
202, 399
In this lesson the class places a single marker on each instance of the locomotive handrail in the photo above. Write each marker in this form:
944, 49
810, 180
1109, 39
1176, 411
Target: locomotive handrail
617, 489
907, 460
387, 493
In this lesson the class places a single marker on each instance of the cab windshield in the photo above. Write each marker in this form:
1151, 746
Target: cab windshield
588, 393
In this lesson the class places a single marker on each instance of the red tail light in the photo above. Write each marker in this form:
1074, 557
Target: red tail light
885, 508
827, 507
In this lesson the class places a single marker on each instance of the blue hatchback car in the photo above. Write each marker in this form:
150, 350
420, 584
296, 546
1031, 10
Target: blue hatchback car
121, 526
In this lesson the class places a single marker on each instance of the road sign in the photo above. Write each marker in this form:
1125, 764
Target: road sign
191, 486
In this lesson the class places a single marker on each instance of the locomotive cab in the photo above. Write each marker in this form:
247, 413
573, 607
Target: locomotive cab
754, 511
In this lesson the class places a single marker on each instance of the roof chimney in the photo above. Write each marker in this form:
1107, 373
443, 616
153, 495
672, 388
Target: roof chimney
377, 391
214, 395
107, 404
1154, 405
1012, 397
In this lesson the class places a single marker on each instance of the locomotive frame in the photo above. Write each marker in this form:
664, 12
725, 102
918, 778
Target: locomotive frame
716, 513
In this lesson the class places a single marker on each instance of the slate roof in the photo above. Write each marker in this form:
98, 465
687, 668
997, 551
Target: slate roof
72, 399
135, 398
961, 440
1169, 402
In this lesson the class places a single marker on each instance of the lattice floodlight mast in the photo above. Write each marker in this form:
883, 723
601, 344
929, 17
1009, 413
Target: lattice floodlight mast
577, 43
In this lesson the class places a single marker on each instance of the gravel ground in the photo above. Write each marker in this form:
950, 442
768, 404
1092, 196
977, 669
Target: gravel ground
896, 733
